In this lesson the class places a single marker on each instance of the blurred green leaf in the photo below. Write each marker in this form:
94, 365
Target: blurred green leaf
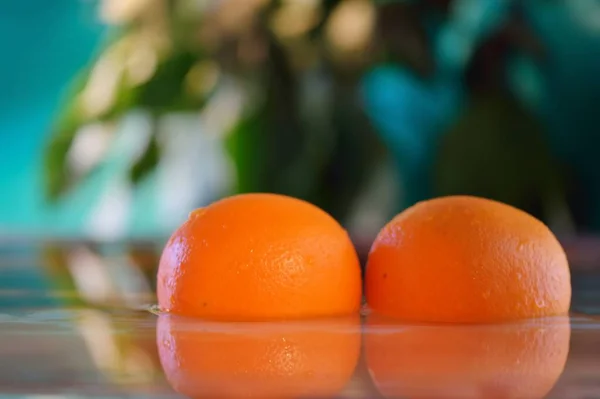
61, 137
497, 150
355, 151
147, 161
161, 94
266, 143
285, 138
56, 179
246, 146
71, 119
166, 91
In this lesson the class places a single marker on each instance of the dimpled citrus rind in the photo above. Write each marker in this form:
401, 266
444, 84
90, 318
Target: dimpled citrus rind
259, 257
464, 259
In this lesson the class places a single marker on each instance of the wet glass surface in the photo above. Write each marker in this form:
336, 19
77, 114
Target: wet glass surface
75, 322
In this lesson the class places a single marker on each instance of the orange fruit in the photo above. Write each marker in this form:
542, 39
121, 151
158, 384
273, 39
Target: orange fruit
258, 360
467, 260
519, 360
259, 257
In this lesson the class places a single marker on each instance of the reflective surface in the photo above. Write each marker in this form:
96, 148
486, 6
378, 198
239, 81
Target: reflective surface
75, 322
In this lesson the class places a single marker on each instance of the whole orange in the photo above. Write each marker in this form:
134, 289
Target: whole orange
522, 359
259, 257
308, 359
464, 259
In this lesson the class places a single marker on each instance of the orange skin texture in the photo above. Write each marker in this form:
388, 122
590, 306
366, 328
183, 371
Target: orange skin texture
259, 257
258, 360
464, 259
521, 360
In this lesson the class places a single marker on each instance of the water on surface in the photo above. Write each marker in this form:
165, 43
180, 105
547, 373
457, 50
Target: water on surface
65, 333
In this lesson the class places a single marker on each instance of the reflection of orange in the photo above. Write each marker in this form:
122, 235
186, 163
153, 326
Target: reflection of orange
521, 360
258, 360
258, 257
467, 260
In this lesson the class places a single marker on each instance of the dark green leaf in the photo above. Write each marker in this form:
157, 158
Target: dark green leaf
497, 150
246, 146
166, 91
57, 178
147, 161
355, 152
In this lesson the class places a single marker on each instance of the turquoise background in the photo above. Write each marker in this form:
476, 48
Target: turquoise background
42, 45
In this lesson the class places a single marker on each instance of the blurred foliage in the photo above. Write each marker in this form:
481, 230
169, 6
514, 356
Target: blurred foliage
509, 163
173, 56
303, 129
496, 147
